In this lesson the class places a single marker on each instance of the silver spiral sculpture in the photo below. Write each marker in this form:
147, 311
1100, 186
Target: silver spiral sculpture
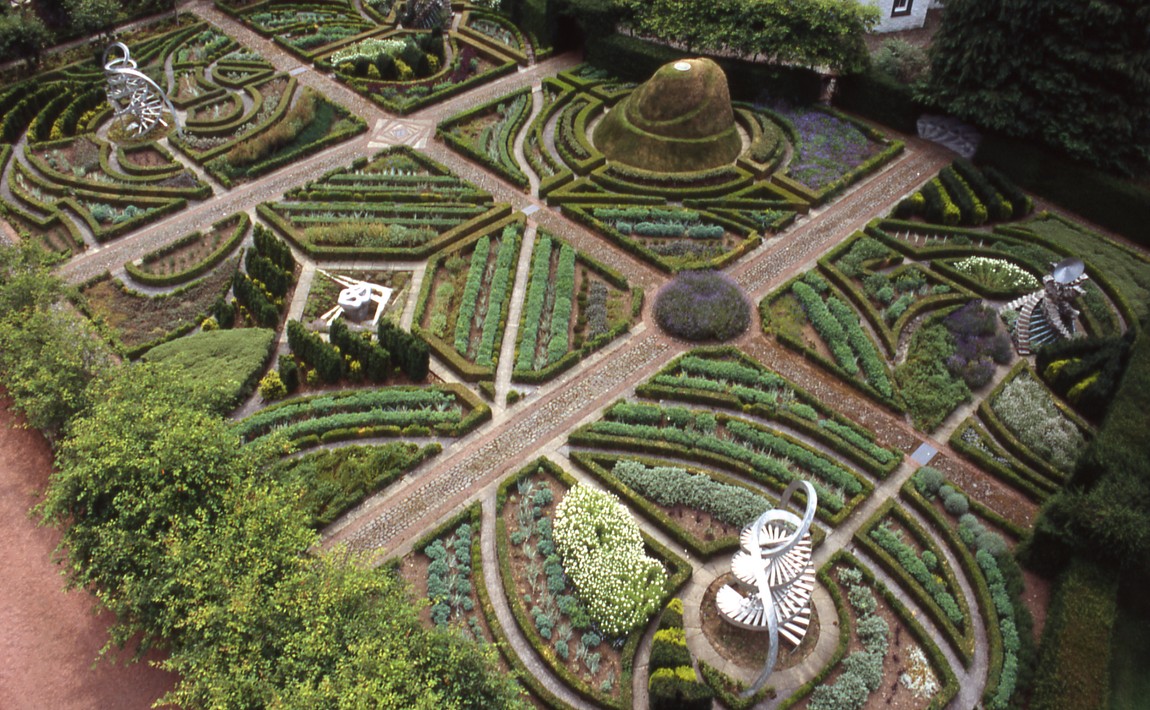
774, 570
133, 94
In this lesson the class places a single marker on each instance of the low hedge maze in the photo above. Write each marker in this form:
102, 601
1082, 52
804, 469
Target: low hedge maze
397, 204
446, 410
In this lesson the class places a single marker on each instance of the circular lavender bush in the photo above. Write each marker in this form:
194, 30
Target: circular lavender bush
702, 305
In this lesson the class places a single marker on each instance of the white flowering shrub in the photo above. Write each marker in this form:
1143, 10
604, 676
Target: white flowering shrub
998, 273
919, 678
369, 49
1027, 410
602, 553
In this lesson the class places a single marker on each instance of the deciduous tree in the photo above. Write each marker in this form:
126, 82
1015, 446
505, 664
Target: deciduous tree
1074, 75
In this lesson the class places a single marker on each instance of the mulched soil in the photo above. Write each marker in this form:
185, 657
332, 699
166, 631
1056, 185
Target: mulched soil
51, 637
891, 693
745, 647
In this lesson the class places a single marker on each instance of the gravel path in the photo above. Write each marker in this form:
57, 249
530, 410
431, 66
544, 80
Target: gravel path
469, 468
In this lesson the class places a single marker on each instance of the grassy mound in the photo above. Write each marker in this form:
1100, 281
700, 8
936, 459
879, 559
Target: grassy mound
680, 120
224, 362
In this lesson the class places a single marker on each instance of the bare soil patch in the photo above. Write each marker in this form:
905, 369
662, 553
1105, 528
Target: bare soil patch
51, 637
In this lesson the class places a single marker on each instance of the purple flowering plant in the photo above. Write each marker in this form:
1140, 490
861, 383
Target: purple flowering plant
829, 147
702, 305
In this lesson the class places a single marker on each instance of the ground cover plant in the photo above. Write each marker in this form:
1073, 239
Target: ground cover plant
886, 647
401, 68
829, 147
395, 203
701, 508
227, 360
1028, 411
328, 483
809, 314
465, 299
286, 123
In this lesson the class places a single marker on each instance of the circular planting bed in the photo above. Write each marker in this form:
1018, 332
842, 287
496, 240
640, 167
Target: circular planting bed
744, 646
702, 305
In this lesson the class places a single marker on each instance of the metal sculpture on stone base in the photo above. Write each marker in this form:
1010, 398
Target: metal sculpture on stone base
774, 569
1045, 316
359, 302
133, 94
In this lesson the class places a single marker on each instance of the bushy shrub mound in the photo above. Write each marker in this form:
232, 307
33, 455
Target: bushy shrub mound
702, 305
680, 120
602, 552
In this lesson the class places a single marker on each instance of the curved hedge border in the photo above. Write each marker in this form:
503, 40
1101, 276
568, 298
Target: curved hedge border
229, 245
404, 105
731, 400
844, 624
583, 436
479, 413
1033, 485
580, 212
678, 574
1011, 443
130, 169
889, 334
947, 678
721, 684
512, 173
961, 641
474, 515
974, 575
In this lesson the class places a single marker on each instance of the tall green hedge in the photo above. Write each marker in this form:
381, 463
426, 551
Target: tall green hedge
634, 59
1116, 204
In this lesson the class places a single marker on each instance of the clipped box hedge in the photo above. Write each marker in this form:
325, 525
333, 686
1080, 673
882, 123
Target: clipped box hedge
212, 260
962, 641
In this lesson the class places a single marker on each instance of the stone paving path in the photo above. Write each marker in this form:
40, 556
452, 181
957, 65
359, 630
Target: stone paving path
470, 468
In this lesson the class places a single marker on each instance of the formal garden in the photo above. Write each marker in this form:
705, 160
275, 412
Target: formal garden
486, 416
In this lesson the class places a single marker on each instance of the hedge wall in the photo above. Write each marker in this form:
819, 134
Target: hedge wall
634, 59
1113, 203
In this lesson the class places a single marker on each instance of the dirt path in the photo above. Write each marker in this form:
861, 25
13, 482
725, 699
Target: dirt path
51, 637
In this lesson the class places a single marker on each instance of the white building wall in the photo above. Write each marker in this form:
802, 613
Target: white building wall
915, 19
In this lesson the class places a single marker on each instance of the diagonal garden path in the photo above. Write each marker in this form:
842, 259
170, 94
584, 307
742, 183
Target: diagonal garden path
469, 468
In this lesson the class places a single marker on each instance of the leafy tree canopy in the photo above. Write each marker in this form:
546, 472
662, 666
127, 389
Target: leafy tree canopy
48, 353
813, 33
144, 459
23, 35
185, 535
1074, 75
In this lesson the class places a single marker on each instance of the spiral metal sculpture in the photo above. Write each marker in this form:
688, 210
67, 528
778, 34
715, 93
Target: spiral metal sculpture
132, 93
774, 564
